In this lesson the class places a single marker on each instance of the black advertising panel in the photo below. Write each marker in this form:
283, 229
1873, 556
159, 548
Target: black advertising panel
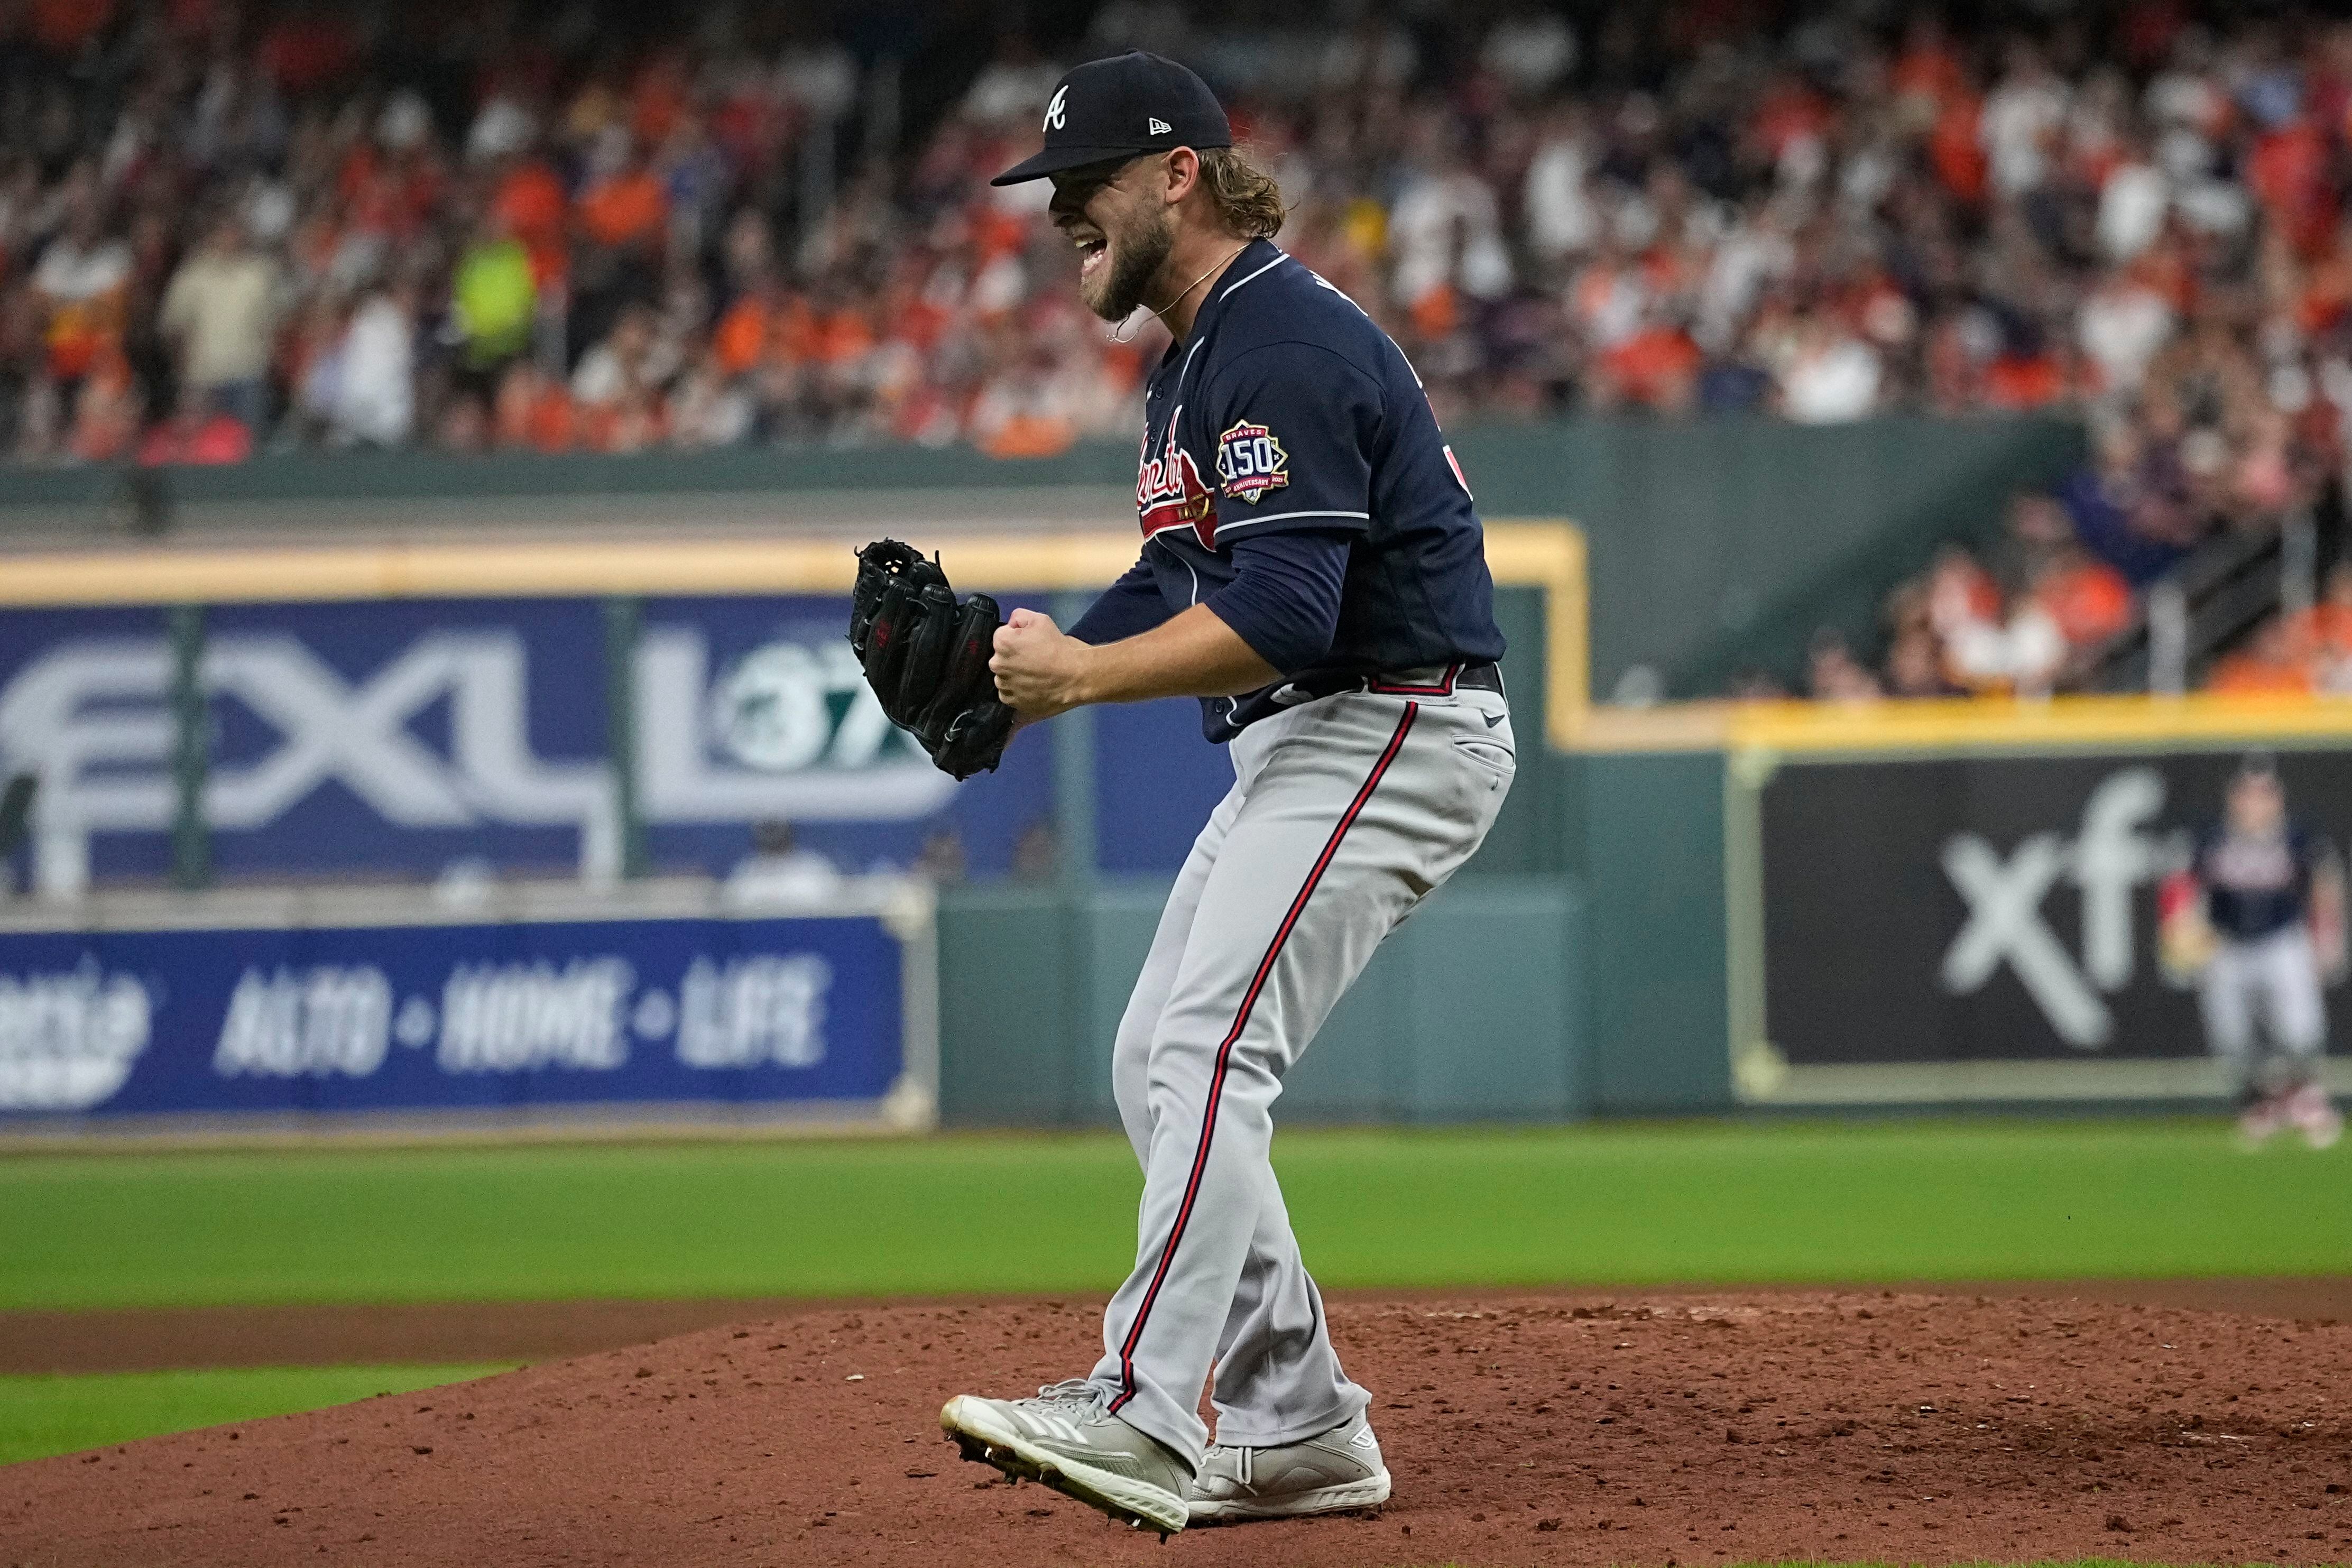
1985, 927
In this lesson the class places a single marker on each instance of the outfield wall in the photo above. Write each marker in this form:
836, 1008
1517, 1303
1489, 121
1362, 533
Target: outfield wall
1471, 1012
1716, 543
1800, 906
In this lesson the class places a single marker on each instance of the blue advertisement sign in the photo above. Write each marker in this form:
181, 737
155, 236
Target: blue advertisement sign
407, 738
414, 739
820, 1012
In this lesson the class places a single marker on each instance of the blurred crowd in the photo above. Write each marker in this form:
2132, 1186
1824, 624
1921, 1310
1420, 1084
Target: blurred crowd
226, 228
2033, 619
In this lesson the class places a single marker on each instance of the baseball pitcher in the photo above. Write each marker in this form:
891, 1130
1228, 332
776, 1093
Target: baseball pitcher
1314, 571
2255, 917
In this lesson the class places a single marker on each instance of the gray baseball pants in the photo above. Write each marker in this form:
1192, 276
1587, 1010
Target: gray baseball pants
1344, 813
2276, 977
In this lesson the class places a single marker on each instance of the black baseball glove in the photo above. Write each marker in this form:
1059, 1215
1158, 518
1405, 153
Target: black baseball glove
926, 654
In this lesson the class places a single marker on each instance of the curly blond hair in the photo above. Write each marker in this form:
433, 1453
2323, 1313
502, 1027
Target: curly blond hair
1245, 198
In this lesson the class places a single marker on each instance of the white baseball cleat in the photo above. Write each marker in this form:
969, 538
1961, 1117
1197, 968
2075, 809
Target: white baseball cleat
2315, 1116
1067, 1439
1332, 1472
2259, 1119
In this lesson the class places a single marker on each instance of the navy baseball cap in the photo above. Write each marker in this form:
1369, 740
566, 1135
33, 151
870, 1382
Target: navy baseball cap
1123, 108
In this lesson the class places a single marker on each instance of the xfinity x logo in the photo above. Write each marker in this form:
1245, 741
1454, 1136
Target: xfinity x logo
2105, 861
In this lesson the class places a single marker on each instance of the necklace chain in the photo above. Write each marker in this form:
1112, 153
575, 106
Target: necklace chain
1161, 312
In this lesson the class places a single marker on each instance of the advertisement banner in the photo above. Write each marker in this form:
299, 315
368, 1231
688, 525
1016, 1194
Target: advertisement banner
669, 1000
415, 738
1929, 929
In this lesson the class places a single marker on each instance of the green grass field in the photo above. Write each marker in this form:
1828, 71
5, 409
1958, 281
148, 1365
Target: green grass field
1685, 1204
1613, 1205
64, 1414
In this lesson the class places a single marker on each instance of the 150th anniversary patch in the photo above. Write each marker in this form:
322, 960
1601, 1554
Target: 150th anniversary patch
1250, 462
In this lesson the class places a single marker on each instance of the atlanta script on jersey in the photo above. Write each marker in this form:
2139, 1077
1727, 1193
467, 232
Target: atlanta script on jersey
1286, 409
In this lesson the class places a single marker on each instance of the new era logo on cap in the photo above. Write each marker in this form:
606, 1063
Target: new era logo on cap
1160, 128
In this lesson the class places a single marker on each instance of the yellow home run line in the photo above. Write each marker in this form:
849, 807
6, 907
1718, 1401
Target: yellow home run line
1544, 555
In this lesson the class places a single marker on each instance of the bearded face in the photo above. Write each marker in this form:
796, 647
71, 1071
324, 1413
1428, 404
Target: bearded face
1123, 240
1137, 250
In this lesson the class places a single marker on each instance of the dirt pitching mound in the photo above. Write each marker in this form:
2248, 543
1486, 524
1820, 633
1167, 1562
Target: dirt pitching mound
1682, 1430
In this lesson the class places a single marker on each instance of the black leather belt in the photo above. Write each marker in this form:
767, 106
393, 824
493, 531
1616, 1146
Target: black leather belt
1438, 680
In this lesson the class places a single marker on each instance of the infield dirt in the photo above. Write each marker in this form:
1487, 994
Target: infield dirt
1680, 1429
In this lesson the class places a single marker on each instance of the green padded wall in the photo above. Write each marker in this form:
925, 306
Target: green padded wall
1472, 1011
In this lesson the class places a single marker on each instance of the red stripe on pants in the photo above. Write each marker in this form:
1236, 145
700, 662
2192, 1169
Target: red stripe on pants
1225, 1051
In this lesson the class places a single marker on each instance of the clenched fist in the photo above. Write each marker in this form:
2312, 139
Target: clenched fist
1040, 672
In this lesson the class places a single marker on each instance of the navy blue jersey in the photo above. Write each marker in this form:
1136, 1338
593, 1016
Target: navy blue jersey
1287, 410
2254, 887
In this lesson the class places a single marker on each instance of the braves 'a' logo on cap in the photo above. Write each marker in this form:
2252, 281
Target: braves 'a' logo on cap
1053, 109
1251, 462
1158, 126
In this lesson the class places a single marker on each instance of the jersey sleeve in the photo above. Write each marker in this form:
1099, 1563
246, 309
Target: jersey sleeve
1289, 429
1128, 607
1284, 600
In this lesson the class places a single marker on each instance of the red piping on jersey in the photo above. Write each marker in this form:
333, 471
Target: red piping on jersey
1225, 1051
1443, 688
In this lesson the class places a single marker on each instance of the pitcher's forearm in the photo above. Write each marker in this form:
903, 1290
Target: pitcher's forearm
1192, 654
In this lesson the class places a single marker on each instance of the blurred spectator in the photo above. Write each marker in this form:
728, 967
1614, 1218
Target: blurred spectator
200, 432
492, 302
371, 399
1915, 666
2269, 662
221, 312
2324, 632
81, 286
779, 870
1833, 675
942, 857
1037, 853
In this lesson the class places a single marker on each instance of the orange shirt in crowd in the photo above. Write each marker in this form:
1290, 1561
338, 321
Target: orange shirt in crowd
622, 425
740, 339
1030, 436
531, 200
626, 209
2090, 601
2289, 172
387, 196
1654, 365
2246, 672
1436, 312
2326, 629
2023, 381
534, 411
1952, 147
839, 337
215, 438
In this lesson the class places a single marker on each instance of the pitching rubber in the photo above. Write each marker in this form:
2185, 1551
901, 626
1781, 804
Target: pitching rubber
987, 1440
